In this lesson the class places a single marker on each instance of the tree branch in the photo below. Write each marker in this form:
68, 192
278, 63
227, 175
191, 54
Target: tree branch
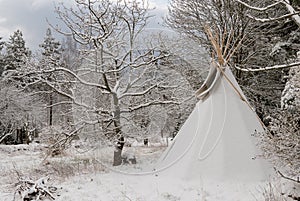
258, 8
5, 136
273, 19
292, 12
75, 76
295, 17
156, 102
268, 68
288, 178
138, 93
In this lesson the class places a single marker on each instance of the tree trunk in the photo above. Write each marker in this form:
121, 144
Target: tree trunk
50, 110
118, 151
118, 132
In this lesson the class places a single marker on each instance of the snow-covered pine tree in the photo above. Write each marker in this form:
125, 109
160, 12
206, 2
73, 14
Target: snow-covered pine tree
51, 50
70, 53
16, 51
16, 114
51, 58
1, 44
1, 56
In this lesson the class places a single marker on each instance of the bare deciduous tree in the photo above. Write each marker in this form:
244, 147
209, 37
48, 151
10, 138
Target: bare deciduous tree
226, 18
120, 73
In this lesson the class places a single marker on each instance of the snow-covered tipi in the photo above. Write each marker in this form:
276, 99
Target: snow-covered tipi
216, 142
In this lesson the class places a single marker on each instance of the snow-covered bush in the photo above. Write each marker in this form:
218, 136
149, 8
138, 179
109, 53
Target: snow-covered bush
282, 145
56, 138
20, 112
283, 142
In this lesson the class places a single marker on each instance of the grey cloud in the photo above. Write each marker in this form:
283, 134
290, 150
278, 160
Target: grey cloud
30, 17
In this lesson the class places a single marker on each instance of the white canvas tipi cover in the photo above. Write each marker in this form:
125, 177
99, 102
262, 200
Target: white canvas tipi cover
216, 142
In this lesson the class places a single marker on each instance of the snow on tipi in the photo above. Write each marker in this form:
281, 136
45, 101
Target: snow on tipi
216, 142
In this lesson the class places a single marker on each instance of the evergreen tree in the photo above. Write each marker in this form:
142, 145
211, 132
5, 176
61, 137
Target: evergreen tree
16, 51
70, 55
1, 56
51, 51
1, 44
51, 58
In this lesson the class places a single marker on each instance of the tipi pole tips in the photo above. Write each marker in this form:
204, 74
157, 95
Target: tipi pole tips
216, 44
223, 43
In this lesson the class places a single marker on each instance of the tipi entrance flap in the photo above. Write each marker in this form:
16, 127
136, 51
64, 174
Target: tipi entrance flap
210, 81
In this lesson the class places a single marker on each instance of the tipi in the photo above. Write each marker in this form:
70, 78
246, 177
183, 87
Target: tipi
216, 142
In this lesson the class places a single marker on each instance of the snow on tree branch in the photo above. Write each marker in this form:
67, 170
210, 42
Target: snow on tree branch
75, 76
290, 8
138, 93
291, 11
131, 109
268, 68
275, 18
2, 138
36, 190
120, 73
259, 8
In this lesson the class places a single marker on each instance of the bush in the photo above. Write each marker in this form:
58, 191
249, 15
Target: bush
282, 144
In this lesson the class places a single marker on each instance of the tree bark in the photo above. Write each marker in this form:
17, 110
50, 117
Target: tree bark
118, 151
50, 109
118, 132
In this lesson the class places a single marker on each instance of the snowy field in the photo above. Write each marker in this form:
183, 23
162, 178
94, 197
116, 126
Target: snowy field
85, 175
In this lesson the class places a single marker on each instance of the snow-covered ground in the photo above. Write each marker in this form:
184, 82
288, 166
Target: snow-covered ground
87, 176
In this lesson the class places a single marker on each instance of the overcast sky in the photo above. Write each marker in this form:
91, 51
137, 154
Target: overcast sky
30, 17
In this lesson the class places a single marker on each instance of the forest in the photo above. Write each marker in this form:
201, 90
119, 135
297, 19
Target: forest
109, 82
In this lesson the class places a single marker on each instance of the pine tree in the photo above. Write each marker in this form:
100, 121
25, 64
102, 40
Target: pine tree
51, 58
1, 56
70, 54
51, 51
1, 44
16, 51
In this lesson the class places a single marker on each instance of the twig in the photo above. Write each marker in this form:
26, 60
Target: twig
4, 136
37, 189
124, 194
15, 169
288, 178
